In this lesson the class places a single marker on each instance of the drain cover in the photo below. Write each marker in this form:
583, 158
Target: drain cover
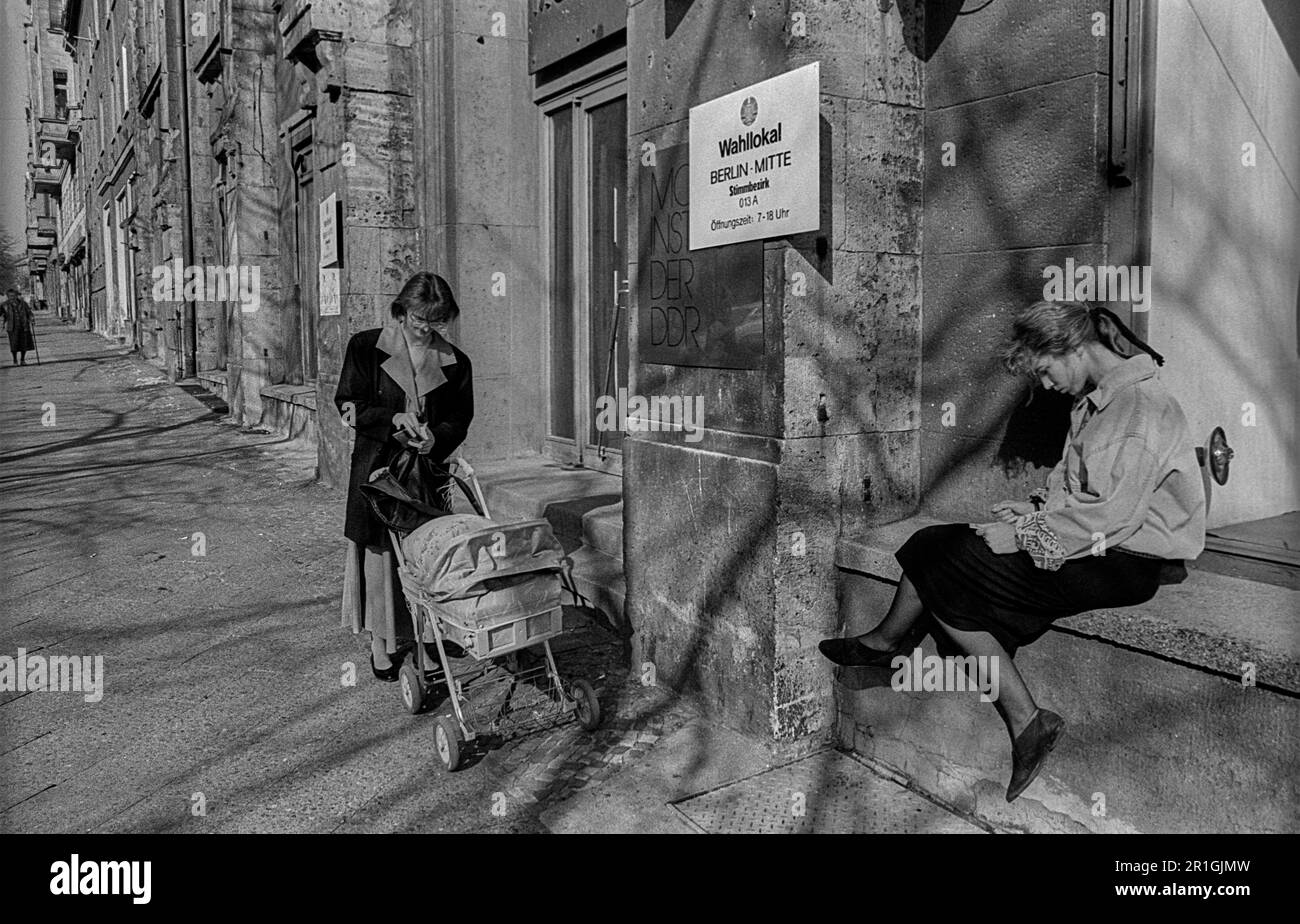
825, 793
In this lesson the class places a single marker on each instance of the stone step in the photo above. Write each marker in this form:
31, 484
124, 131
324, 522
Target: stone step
602, 529
1169, 707
585, 509
599, 578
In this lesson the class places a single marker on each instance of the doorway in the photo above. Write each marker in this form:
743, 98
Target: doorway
306, 245
585, 225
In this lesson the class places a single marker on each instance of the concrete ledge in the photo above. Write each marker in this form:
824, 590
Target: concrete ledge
1150, 746
289, 410
584, 507
602, 529
524, 488
872, 552
1212, 621
291, 394
1159, 724
599, 578
215, 381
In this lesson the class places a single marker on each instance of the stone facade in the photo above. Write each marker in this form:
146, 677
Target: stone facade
752, 511
959, 156
50, 143
115, 140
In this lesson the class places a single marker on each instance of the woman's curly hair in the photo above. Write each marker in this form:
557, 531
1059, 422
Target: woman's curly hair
1055, 328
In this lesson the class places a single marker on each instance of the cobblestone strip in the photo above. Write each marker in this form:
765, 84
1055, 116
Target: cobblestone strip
568, 758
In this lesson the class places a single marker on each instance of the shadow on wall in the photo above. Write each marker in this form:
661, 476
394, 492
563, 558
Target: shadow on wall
1027, 190
1285, 15
815, 247
1013, 183
1035, 431
926, 22
674, 12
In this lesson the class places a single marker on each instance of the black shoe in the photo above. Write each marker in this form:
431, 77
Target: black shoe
1031, 748
388, 674
849, 652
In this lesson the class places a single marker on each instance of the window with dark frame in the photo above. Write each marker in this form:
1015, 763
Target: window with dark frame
60, 82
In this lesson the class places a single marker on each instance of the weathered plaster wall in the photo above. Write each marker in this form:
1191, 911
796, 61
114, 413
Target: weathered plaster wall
478, 179
364, 140
1225, 237
1019, 90
729, 542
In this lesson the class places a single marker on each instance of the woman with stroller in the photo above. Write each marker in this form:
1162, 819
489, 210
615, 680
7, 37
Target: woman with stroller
18, 320
403, 385
1121, 511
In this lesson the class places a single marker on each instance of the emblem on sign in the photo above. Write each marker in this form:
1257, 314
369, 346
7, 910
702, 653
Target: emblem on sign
749, 110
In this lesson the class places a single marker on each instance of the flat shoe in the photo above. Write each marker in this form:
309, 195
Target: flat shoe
388, 674
849, 652
1031, 748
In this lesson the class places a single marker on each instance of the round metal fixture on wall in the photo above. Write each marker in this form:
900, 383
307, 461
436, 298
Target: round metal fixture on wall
1220, 456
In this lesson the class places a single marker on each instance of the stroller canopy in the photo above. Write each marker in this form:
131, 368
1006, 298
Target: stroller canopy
482, 571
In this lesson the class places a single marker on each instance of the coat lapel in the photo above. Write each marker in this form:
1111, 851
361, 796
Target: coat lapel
415, 382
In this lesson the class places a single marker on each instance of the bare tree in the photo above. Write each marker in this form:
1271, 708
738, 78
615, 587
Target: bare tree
13, 263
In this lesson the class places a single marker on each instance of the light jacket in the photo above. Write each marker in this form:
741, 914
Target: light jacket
1128, 479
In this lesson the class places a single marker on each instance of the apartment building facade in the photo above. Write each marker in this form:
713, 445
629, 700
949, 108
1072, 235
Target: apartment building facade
339, 146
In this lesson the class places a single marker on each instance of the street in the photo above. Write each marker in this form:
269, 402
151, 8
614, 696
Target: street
203, 564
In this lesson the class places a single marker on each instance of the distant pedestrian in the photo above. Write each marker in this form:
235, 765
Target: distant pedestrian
18, 320
402, 385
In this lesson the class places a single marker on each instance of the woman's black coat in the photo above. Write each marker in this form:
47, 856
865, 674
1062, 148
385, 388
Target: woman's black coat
376, 397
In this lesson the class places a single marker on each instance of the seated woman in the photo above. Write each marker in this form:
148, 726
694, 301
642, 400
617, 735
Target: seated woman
401, 385
1124, 506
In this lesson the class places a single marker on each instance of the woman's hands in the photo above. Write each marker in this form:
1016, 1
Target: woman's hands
1008, 510
419, 436
409, 424
999, 537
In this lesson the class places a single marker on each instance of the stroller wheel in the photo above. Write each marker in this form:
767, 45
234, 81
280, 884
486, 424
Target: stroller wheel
412, 687
447, 741
588, 706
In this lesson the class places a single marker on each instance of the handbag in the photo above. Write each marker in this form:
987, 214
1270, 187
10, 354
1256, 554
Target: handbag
409, 491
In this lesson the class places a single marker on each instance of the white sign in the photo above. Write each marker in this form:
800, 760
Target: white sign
329, 230
330, 300
756, 161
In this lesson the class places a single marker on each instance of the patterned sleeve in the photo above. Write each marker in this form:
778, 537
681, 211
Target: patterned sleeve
1034, 537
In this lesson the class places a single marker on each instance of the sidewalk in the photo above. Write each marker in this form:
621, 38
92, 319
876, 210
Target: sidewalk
203, 563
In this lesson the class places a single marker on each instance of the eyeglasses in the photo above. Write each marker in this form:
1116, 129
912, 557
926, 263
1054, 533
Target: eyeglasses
422, 324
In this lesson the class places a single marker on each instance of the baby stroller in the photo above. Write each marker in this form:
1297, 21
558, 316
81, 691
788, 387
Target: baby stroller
490, 590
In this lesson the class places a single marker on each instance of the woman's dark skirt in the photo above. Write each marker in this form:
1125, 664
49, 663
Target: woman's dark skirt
966, 586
